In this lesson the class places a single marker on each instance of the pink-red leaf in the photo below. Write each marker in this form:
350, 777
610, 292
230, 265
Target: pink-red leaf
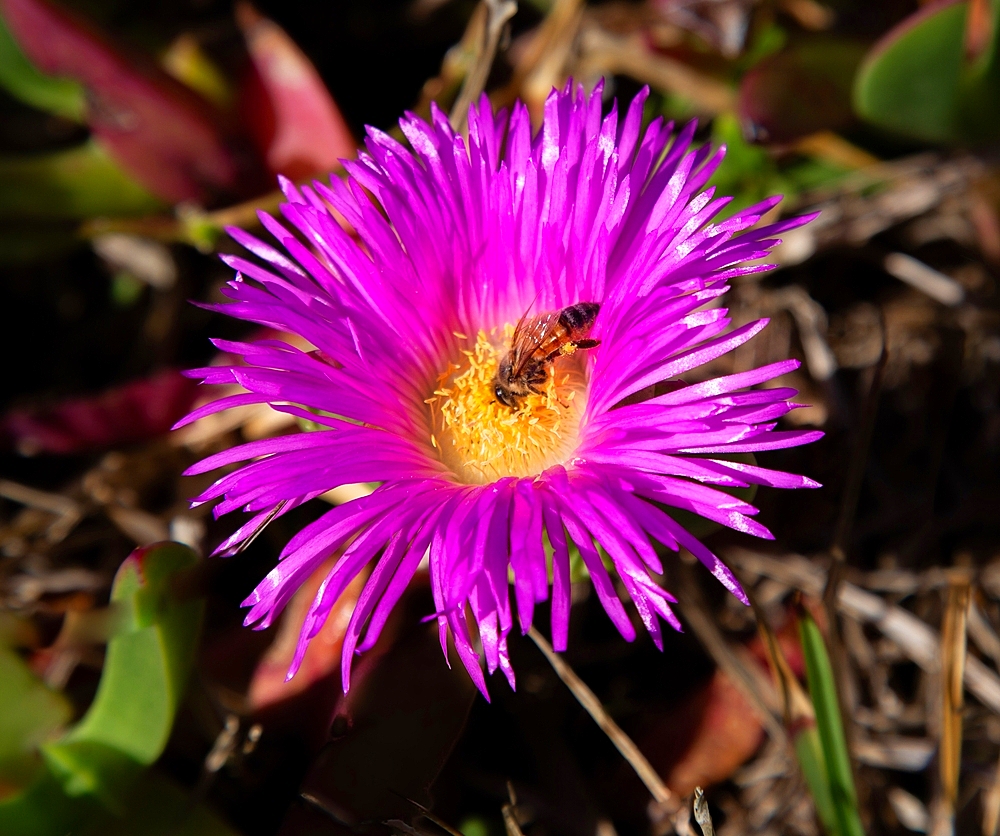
799, 91
165, 135
135, 411
291, 116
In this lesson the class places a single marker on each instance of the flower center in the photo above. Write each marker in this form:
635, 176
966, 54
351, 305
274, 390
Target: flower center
482, 440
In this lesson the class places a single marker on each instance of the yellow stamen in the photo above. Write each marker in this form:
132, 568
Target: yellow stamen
482, 440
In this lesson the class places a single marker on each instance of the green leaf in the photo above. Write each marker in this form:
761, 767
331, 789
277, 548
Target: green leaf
126, 289
837, 760
76, 184
918, 82
809, 753
99, 765
30, 712
85, 769
158, 807
766, 41
979, 86
476, 826
43, 809
748, 172
147, 665
19, 77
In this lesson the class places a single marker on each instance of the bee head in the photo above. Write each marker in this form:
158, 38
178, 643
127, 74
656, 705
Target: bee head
501, 384
504, 395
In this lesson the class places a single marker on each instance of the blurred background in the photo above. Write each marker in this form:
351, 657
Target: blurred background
132, 701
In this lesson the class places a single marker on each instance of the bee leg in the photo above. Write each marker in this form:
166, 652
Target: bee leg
537, 378
537, 391
571, 348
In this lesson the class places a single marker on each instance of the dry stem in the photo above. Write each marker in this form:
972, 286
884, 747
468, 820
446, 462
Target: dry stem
623, 743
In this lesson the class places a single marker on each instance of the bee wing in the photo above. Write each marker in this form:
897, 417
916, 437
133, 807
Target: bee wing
529, 334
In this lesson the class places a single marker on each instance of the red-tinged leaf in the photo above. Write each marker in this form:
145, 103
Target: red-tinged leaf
304, 704
710, 733
705, 738
799, 91
293, 119
132, 412
979, 25
165, 135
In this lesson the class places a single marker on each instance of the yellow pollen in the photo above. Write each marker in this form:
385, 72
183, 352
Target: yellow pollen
480, 439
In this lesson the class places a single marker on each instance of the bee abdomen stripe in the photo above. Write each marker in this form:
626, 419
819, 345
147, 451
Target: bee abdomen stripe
579, 317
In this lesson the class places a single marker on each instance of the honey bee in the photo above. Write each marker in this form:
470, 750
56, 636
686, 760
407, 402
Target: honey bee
536, 343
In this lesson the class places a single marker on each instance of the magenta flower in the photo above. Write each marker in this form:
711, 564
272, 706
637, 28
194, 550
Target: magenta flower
410, 322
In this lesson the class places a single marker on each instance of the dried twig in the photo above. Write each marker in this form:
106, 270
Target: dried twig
138, 525
903, 753
811, 321
859, 456
701, 813
54, 503
607, 54
953, 656
845, 523
509, 813
727, 660
911, 635
623, 743
544, 56
909, 809
190, 225
427, 814
455, 67
498, 12
983, 634
991, 805
873, 199
796, 705
924, 278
